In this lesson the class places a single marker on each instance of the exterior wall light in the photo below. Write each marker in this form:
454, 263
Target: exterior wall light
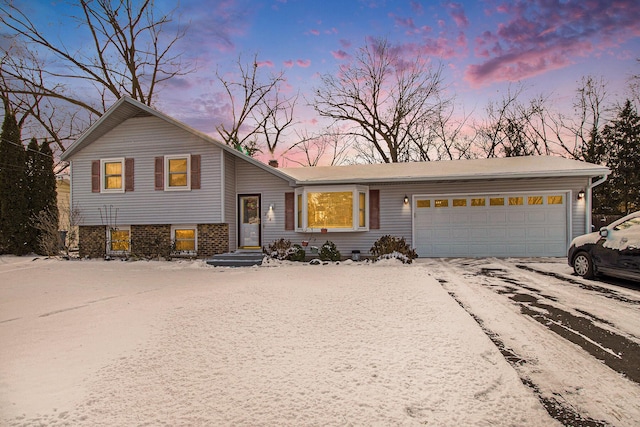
406, 199
580, 194
272, 207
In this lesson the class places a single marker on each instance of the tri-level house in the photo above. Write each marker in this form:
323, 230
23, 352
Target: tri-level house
143, 181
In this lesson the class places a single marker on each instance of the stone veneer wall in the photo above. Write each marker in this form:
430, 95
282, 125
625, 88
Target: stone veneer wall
213, 239
151, 241
92, 241
154, 240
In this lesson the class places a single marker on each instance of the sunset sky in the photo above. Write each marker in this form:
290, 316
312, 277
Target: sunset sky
547, 45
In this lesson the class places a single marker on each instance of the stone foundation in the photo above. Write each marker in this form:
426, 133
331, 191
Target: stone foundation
92, 241
213, 239
153, 241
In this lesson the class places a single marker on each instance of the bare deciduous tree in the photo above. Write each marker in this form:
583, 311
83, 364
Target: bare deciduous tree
328, 147
126, 53
260, 114
514, 128
385, 100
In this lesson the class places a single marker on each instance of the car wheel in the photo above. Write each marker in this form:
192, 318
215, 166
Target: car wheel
583, 265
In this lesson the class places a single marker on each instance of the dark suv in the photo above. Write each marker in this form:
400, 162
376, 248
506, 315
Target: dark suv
612, 251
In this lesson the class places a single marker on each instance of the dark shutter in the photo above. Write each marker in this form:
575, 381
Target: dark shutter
159, 173
95, 176
195, 172
128, 174
289, 211
374, 209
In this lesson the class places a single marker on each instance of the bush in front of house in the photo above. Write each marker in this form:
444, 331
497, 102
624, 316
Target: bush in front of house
282, 250
329, 252
390, 247
279, 249
296, 253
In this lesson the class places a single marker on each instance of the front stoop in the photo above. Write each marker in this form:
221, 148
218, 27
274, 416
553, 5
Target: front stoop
237, 259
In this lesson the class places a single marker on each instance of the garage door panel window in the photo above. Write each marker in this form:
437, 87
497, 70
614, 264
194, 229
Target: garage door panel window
496, 201
555, 200
534, 200
478, 201
441, 203
516, 201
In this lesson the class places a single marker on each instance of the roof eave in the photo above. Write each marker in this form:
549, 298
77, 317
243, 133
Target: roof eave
461, 177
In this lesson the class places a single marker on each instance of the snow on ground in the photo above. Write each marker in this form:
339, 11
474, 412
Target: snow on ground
181, 343
563, 371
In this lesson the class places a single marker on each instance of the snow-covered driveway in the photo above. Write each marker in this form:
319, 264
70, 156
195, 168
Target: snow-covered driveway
575, 342
181, 343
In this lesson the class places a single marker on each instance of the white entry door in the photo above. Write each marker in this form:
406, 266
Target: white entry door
249, 222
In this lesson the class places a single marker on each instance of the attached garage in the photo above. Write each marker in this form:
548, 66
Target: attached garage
479, 225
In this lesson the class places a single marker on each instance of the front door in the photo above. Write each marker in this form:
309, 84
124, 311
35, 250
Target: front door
249, 222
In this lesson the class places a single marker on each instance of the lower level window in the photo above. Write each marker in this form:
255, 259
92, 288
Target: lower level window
119, 240
184, 239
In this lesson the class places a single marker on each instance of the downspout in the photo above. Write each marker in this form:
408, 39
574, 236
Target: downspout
602, 179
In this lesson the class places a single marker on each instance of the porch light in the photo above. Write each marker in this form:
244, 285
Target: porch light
406, 199
272, 207
581, 195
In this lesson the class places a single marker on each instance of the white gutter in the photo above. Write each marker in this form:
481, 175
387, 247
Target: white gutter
602, 179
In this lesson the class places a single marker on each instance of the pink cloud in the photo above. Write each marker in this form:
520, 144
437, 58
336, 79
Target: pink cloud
402, 22
539, 36
304, 63
265, 64
314, 32
458, 15
345, 43
340, 54
288, 63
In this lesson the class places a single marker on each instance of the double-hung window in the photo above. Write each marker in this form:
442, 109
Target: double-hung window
112, 175
177, 172
332, 208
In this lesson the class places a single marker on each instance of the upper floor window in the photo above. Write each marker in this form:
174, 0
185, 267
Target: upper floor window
178, 172
112, 175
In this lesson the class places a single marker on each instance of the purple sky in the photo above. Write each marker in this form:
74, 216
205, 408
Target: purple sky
548, 45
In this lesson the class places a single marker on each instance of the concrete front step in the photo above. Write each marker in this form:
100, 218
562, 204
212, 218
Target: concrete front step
236, 259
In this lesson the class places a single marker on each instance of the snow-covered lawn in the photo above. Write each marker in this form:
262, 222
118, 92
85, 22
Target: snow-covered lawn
182, 343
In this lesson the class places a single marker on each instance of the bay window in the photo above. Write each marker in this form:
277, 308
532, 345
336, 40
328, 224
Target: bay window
332, 208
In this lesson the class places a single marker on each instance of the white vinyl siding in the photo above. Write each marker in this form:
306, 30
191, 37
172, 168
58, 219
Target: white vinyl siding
144, 138
396, 218
230, 203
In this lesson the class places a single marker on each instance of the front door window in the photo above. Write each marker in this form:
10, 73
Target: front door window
249, 221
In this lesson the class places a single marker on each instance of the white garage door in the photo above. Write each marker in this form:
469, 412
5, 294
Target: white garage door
504, 225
